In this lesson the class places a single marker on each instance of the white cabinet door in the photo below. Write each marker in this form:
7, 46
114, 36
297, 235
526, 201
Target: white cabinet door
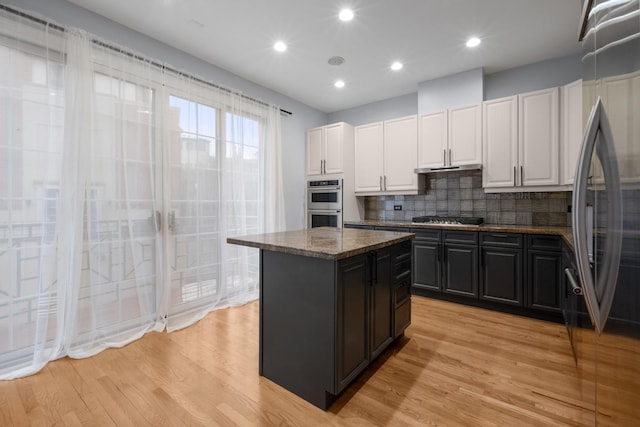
500, 142
333, 156
538, 149
465, 135
400, 154
368, 157
432, 139
315, 155
590, 90
571, 124
620, 95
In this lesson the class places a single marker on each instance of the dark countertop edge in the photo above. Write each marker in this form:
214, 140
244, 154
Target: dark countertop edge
319, 254
564, 232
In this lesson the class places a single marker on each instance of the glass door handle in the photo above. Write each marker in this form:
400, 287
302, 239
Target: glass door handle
171, 223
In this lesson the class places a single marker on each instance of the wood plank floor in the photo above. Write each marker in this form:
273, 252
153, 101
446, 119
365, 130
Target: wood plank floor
456, 365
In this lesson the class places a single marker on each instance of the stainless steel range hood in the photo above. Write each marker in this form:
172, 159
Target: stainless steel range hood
476, 166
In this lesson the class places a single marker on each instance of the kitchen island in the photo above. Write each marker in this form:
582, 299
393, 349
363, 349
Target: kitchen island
331, 300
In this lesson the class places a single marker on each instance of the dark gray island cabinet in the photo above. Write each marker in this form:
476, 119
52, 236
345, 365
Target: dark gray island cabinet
331, 300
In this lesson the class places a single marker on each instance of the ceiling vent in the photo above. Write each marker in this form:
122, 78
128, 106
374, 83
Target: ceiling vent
336, 60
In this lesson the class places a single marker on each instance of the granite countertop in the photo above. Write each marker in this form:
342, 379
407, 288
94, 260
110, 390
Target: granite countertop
325, 242
564, 232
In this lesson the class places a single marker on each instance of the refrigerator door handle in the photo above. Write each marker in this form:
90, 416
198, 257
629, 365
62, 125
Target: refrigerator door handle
599, 291
575, 287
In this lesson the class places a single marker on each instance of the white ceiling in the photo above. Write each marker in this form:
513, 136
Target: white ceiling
428, 36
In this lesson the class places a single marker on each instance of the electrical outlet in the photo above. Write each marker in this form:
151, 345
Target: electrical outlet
397, 207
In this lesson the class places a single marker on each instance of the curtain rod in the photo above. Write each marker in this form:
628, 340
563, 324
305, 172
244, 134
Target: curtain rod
135, 56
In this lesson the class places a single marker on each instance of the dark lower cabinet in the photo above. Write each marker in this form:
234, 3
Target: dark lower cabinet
502, 268
501, 275
381, 304
514, 272
544, 273
460, 270
359, 226
445, 261
322, 321
352, 319
402, 261
365, 312
427, 259
460, 263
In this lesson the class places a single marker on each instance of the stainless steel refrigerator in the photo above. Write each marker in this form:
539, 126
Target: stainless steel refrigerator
606, 214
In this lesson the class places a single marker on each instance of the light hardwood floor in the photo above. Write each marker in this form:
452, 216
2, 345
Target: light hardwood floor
456, 365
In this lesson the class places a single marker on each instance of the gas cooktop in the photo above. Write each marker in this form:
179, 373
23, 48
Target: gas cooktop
448, 220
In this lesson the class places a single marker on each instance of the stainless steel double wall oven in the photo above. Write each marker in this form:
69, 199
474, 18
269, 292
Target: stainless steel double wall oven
324, 203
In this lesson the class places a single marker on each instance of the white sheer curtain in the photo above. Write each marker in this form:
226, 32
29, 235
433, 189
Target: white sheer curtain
113, 279
32, 114
119, 184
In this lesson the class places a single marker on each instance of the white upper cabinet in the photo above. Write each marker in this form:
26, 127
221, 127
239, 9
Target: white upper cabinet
325, 149
315, 148
571, 125
400, 140
369, 149
386, 156
465, 135
521, 141
539, 138
621, 101
433, 140
334, 143
451, 137
500, 146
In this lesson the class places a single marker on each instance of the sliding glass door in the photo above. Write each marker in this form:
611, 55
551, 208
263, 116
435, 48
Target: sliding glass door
193, 209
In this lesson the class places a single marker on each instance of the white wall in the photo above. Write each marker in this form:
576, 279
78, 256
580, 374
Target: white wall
386, 109
457, 90
537, 76
293, 127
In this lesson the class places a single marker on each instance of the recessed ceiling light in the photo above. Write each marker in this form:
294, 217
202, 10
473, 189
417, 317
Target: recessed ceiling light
339, 84
473, 42
346, 15
280, 46
397, 66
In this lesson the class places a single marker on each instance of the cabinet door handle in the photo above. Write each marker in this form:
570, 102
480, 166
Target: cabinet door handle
515, 174
521, 176
444, 157
385, 183
380, 182
449, 156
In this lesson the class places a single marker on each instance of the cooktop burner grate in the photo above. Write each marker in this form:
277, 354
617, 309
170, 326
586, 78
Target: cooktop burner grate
447, 220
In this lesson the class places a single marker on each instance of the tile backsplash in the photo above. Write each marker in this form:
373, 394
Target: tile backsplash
461, 194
